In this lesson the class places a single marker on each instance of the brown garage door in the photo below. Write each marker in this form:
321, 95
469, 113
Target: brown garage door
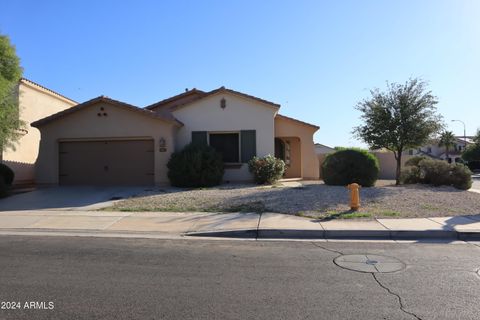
128, 162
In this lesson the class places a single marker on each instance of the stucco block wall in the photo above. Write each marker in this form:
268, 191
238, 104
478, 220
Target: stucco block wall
388, 164
288, 128
34, 104
239, 114
119, 124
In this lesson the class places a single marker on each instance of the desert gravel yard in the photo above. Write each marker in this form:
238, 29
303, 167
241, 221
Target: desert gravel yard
312, 199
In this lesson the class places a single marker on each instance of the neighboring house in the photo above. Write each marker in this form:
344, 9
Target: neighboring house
104, 141
388, 163
433, 150
35, 102
321, 151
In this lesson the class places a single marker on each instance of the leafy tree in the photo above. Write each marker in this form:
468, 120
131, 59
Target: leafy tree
402, 117
10, 74
476, 137
472, 154
447, 140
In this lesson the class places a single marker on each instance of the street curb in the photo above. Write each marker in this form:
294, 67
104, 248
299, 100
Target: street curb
286, 234
340, 234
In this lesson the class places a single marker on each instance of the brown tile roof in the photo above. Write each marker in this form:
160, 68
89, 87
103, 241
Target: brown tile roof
296, 120
201, 95
170, 102
165, 116
30, 82
223, 89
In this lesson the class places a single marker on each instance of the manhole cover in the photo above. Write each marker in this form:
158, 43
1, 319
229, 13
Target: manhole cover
369, 263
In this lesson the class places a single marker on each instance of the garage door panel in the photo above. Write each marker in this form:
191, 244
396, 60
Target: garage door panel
129, 162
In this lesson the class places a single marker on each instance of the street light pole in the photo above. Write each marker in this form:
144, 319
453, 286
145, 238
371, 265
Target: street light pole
464, 134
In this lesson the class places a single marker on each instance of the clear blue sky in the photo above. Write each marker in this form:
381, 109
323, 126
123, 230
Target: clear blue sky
315, 58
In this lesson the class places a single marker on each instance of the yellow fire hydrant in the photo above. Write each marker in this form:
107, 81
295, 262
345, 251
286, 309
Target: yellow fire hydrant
354, 196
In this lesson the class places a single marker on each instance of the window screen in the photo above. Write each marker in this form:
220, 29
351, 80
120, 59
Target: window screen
227, 144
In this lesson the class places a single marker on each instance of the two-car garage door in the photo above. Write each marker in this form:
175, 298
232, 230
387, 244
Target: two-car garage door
106, 162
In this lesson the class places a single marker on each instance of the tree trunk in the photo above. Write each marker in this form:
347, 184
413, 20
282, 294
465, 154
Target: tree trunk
399, 168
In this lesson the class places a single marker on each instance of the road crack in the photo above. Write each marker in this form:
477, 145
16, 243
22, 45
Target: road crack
326, 249
258, 226
400, 301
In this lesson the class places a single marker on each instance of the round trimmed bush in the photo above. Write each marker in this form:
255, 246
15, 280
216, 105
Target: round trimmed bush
350, 165
195, 166
266, 170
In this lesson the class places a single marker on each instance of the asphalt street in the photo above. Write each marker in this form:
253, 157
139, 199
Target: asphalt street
108, 278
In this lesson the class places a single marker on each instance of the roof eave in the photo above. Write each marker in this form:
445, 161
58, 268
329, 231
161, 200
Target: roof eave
58, 115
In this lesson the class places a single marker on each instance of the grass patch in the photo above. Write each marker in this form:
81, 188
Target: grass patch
348, 214
305, 215
353, 215
388, 213
428, 206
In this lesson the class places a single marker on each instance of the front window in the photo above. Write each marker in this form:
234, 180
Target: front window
228, 144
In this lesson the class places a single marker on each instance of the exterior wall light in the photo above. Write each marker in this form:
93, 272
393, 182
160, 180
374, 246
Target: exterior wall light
162, 145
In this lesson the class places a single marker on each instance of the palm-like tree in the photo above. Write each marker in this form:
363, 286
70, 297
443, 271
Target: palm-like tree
447, 140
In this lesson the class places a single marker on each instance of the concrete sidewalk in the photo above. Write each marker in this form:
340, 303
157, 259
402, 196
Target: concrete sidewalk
238, 225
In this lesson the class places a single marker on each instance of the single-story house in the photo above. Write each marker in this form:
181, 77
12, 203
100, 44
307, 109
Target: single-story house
107, 142
35, 102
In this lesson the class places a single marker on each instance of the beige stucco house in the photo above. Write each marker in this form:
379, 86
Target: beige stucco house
104, 141
35, 102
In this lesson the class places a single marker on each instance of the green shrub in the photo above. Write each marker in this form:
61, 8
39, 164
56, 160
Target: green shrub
195, 166
438, 173
7, 174
472, 157
435, 172
410, 175
351, 165
267, 169
413, 161
461, 177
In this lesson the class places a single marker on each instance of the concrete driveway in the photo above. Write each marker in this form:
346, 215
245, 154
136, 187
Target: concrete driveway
70, 198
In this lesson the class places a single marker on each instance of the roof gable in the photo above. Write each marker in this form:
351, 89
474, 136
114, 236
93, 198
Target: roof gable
279, 116
195, 95
167, 117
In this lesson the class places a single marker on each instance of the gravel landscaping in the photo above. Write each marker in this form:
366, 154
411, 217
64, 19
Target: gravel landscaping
312, 199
